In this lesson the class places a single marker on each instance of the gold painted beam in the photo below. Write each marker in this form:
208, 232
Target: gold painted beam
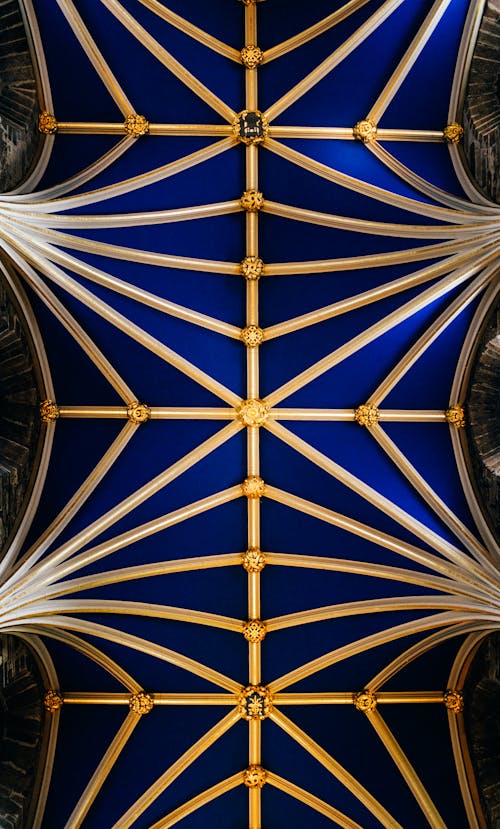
346, 133
346, 698
96, 698
156, 412
347, 415
114, 128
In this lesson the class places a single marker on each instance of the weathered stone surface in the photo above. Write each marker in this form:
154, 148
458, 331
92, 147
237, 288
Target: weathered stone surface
21, 725
483, 420
481, 116
19, 109
19, 415
482, 691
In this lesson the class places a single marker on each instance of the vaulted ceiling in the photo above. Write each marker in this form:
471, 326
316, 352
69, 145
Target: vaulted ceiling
253, 553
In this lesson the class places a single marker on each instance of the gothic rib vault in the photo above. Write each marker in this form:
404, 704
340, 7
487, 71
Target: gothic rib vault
257, 266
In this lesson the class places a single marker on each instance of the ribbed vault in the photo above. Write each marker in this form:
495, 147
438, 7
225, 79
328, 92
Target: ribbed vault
256, 275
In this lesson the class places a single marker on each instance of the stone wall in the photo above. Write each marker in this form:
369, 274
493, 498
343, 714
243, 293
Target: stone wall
19, 414
482, 722
481, 116
483, 420
21, 729
19, 108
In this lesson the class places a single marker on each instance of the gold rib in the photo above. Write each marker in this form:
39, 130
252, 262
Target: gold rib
374, 640
406, 769
96, 698
173, 65
388, 605
445, 548
128, 640
375, 570
338, 771
382, 539
102, 771
186, 759
112, 220
346, 697
343, 306
132, 501
193, 31
404, 312
52, 573
125, 608
121, 322
433, 331
41, 238
366, 189
430, 496
200, 800
310, 800
66, 319
88, 650
300, 214
334, 59
95, 56
421, 647
130, 184
408, 60
36, 551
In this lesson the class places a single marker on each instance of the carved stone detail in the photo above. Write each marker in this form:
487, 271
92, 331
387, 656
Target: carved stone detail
49, 411
365, 701
453, 133
253, 560
136, 125
254, 631
254, 777
365, 131
255, 702
252, 201
253, 487
141, 703
455, 416
252, 267
252, 336
366, 415
251, 56
47, 123
53, 701
250, 127
253, 412
454, 701
138, 412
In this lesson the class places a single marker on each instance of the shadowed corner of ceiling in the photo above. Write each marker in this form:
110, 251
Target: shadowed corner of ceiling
20, 141
481, 114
